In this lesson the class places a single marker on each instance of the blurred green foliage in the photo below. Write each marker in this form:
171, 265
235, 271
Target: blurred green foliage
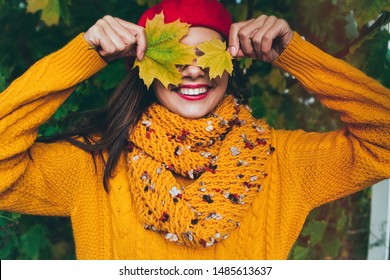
349, 29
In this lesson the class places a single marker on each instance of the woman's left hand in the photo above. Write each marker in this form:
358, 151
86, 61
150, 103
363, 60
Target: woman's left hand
263, 38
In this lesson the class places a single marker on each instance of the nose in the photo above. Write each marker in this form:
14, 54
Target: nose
192, 72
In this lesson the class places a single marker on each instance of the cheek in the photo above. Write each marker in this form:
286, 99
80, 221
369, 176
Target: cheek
157, 87
160, 91
222, 83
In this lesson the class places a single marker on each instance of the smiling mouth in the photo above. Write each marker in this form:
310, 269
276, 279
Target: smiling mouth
192, 90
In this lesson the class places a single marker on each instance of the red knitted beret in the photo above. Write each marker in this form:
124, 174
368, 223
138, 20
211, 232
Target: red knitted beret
200, 13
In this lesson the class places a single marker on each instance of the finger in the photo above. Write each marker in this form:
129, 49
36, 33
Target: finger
139, 33
129, 32
234, 41
96, 37
281, 32
246, 34
112, 29
257, 38
121, 30
129, 37
107, 46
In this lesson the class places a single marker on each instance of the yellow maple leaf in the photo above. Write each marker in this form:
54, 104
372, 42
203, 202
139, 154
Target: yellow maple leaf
50, 10
215, 57
164, 51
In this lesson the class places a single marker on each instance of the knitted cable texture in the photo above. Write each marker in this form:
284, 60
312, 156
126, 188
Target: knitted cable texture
226, 155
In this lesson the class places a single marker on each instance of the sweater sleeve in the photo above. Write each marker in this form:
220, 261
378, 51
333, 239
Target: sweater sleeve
40, 178
320, 167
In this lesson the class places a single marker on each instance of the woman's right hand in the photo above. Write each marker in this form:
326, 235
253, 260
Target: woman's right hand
115, 38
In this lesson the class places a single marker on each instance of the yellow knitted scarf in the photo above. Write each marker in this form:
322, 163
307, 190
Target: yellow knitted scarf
224, 153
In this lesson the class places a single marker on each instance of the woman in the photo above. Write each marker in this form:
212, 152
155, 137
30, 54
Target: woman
191, 175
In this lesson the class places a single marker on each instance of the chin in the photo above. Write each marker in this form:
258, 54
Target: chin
196, 115
191, 113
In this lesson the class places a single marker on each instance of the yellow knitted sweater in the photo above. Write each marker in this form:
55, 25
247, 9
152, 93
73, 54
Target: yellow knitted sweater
306, 169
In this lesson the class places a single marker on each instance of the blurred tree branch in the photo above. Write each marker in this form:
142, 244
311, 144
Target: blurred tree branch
366, 31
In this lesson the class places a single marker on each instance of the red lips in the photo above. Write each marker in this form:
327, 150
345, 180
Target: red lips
193, 92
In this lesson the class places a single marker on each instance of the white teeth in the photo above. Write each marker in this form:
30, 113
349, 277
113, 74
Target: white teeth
192, 91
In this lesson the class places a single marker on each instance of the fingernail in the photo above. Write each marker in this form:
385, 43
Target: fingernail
141, 55
233, 50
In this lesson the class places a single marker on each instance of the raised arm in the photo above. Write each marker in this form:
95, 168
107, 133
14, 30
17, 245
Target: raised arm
28, 102
315, 168
43, 178
327, 166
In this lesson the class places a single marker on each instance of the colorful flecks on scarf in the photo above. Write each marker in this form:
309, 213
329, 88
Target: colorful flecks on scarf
224, 154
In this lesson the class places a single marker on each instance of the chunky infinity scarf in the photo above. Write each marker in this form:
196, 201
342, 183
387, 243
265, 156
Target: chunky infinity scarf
224, 153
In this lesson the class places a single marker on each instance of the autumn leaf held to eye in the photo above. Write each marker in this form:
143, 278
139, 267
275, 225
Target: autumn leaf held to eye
164, 52
215, 57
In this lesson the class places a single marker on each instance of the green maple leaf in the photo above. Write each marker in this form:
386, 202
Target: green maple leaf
164, 52
215, 57
50, 10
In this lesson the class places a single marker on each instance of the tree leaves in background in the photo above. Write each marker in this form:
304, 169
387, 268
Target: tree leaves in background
50, 10
370, 56
8, 240
365, 11
3, 78
315, 231
29, 237
33, 240
332, 25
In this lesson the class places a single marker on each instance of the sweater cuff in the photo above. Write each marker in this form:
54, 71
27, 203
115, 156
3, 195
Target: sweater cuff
76, 61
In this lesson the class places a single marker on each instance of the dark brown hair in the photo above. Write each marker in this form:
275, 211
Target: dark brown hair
107, 129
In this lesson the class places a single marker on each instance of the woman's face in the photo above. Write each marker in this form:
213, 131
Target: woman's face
196, 95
